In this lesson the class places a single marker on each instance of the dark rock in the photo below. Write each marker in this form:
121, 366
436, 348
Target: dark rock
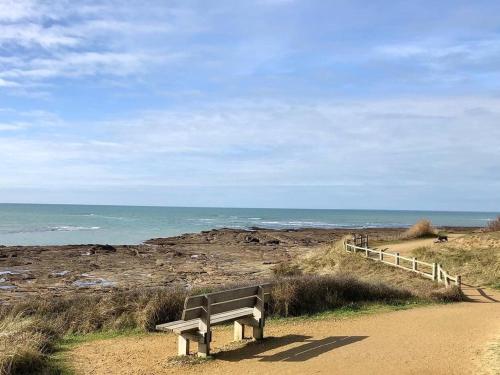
273, 242
102, 249
251, 239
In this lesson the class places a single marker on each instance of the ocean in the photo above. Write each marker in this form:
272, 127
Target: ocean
36, 224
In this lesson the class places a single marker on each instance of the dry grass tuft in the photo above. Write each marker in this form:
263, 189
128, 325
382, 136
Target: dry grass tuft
494, 225
421, 229
286, 269
24, 343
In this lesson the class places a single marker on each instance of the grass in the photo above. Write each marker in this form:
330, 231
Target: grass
421, 229
309, 294
335, 260
491, 358
476, 258
24, 343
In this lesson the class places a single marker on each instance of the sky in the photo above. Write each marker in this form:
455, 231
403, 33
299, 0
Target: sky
252, 103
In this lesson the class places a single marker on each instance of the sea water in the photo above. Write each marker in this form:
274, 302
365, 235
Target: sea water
34, 224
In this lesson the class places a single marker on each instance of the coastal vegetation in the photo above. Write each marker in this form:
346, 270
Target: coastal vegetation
421, 229
493, 225
476, 257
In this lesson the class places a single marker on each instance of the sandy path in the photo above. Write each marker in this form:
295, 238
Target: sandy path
405, 248
446, 339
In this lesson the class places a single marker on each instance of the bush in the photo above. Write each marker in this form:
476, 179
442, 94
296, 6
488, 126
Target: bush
310, 294
421, 229
286, 269
493, 225
24, 343
453, 294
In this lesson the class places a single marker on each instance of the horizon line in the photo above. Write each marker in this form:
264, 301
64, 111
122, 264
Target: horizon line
248, 208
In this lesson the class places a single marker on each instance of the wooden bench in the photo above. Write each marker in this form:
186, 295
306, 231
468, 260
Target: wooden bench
244, 306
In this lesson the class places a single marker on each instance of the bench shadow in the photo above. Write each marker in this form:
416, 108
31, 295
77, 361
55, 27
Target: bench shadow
308, 348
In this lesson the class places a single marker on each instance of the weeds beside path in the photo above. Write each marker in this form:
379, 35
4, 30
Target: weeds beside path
406, 247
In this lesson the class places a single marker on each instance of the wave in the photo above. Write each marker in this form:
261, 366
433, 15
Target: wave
71, 228
59, 228
104, 216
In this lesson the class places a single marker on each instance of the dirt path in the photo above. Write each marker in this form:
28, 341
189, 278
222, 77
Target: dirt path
434, 340
405, 248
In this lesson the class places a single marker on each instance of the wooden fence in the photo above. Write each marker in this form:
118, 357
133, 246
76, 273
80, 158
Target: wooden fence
433, 271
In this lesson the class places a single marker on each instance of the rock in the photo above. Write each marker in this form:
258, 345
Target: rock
273, 242
251, 239
102, 249
159, 262
58, 274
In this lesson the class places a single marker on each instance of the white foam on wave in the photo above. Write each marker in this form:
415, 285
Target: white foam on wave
71, 228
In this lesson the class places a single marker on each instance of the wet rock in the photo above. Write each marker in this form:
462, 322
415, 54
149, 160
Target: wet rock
251, 239
59, 274
102, 249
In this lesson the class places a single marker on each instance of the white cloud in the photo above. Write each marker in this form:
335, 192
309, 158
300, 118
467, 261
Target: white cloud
351, 143
11, 127
15, 10
42, 41
458, 52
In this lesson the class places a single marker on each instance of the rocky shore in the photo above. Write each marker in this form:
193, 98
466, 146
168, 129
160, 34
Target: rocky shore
213, 257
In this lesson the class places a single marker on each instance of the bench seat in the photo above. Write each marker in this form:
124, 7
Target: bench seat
181, 326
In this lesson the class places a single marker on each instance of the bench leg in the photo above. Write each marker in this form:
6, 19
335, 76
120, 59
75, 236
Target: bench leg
182, 346
239, 331
203, 349
258, 333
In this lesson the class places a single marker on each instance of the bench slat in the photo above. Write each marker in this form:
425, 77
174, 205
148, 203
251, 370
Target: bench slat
234, 304
181, 326
192, 313
225, 295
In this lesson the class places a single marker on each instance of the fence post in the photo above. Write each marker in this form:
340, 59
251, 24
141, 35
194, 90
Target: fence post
366, 252
397, 259
434, 271
414, 264
459, 281
439, 275
380, 255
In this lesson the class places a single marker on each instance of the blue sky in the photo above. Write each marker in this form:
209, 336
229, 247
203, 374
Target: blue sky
257, 103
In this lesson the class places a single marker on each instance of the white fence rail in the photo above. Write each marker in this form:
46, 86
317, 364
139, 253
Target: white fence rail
433, 271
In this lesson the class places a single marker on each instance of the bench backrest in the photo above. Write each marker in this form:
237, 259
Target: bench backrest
219, 302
